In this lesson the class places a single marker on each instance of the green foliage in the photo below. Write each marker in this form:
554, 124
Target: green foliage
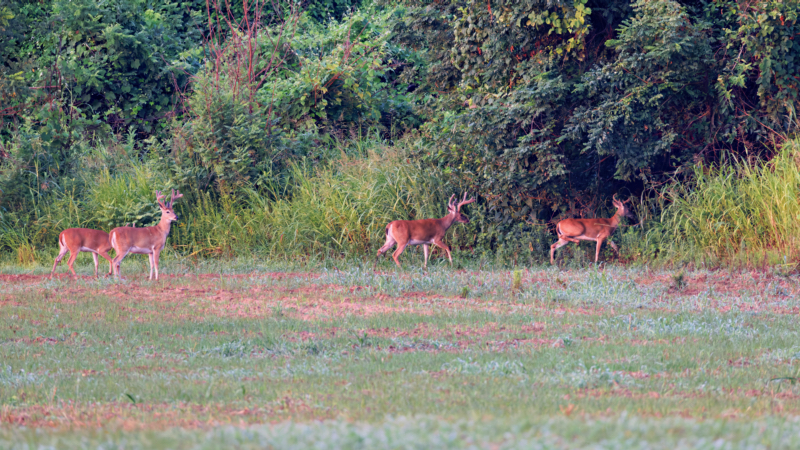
20, 21
335, 75
271, 95
742, 212
344, 208
256, 111
650, 100
126, 199
41, 159
547, 108
116, 59
761, 64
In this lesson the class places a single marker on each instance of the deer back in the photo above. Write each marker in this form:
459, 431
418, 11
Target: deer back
590, 228
146, 237
418, 230
76, 238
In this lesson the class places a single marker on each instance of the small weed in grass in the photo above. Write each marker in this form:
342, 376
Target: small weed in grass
679, 280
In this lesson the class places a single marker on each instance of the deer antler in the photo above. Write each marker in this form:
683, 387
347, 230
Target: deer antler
175, 195
160, 199
464, 201
450, 203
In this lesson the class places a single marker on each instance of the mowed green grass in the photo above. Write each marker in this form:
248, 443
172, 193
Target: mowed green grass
350, 358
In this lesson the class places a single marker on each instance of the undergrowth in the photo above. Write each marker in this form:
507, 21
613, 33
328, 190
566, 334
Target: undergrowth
739, 213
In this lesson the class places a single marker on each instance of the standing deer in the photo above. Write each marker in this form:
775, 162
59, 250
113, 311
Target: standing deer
598, 230
148, 240
425, 232
76, 240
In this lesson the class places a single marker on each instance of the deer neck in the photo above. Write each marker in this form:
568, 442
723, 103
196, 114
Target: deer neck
447, 221
164, 226
615, 219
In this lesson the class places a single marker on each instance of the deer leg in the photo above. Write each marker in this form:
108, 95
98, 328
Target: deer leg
94, 257
150, 257
561, 242
389, 244
425, 249
116, 263
110, 262
614, 246
446, 249
61, 252
155, 261
398, 252
597, 252
72, 257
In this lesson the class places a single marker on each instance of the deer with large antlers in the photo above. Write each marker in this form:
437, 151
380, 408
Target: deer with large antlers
598, 230
424, 232
76, 240
148, 240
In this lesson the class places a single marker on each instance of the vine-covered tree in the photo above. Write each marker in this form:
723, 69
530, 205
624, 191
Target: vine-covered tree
547, 106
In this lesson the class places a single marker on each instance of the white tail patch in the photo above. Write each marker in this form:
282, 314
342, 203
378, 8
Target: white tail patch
62, 241
114, 239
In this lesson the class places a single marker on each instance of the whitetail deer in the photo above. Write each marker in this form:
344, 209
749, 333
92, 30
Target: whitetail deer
76, 240
598, 230
424, 232
146, 241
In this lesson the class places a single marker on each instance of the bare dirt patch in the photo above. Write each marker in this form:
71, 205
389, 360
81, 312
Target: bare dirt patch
426, 331
156, 416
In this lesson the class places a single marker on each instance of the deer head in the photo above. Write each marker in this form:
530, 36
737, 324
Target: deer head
455, 209
167, 213
622, 209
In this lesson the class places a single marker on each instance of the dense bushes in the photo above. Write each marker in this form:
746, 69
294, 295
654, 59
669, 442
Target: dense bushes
741, 211
546, 108
258, 113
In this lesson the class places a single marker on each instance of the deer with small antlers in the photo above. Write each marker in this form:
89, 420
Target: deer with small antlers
148, 240
76, 240
424, 232
598, 230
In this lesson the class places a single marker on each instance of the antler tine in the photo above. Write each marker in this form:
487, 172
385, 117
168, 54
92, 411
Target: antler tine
465, 201
160, 198
450, 202
175, 195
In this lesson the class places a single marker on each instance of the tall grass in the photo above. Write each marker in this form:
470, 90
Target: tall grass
345, 207
742, 213
222, 227
126, 197
336, 209
737, 213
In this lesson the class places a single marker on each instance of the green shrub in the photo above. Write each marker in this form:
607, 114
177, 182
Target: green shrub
740, 212
345, 207
125, 199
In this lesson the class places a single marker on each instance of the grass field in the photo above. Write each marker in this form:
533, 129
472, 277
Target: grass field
239, 356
